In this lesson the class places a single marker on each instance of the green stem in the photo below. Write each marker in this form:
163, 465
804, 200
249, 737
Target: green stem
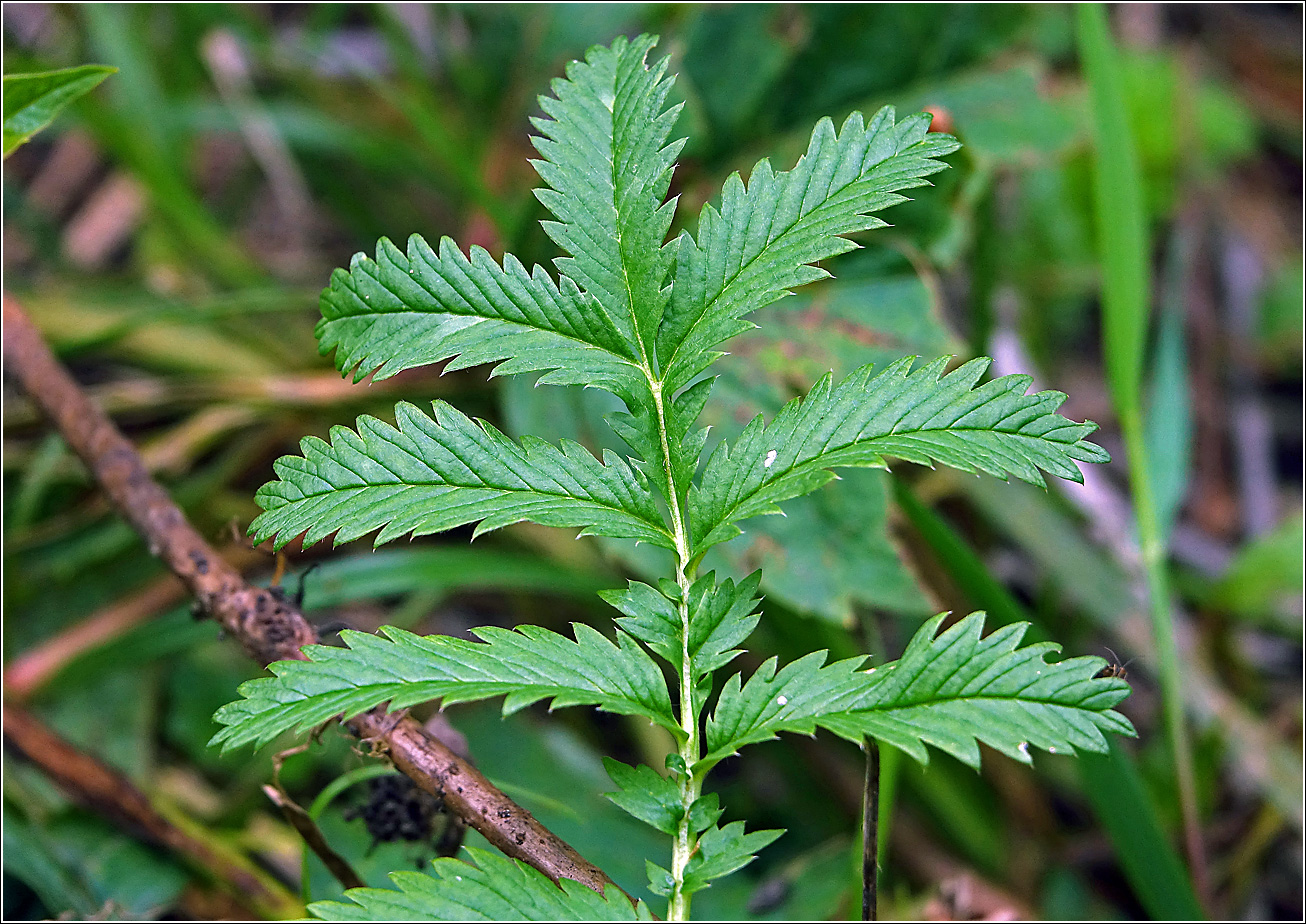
1152, 546
1119, 205
691, 783
686, 840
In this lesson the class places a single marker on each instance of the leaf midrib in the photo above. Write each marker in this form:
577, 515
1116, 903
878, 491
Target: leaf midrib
657, 525
376, 313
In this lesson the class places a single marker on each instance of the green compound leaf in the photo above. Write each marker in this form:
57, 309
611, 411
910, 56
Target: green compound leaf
525, 665
918, 416
767, 236
405, 310
630, 313
720, 617
722, 851
495, 889
31, 101
608, 168
950, 692
608, 165
430, 475
646, 794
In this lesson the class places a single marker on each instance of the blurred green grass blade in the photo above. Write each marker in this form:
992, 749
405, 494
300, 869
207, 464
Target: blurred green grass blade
1161, 884
974, 580
30, 860
31, 101
115, 34
1169, 420
1124, 254
1118, 199
116, 870
443, 569
35, 482
1154, 870
139, 126
961, 808
1053, 536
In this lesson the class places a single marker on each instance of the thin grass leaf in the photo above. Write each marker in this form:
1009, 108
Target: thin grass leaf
1126, 303
1118, 203
1126, 812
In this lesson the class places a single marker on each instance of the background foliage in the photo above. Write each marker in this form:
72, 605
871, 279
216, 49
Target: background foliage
170, 234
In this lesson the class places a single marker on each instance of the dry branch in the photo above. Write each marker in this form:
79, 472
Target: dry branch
268, 627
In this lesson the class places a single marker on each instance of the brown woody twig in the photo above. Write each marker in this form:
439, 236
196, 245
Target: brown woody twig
269, 628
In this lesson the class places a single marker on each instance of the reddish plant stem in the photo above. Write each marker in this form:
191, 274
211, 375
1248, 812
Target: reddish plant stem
269, 628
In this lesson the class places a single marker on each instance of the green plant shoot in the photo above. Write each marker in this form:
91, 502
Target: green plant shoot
644, 317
